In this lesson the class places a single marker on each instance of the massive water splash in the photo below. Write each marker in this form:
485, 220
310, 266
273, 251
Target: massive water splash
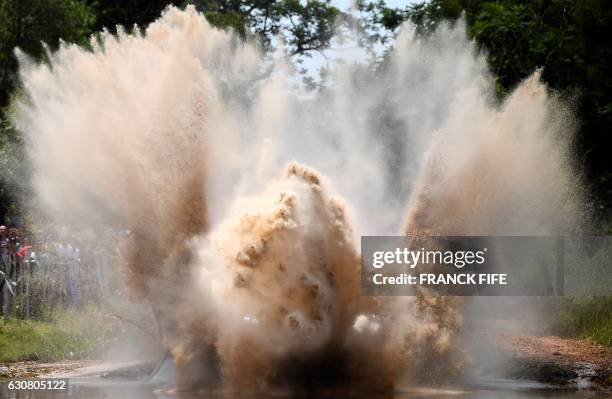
244, 196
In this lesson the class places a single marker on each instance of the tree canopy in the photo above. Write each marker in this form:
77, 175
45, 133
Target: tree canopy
304, 26
29, 23
568, 39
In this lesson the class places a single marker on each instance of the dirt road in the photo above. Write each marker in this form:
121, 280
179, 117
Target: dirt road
558, 360
546, 359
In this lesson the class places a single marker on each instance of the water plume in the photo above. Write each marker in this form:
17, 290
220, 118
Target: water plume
244, 196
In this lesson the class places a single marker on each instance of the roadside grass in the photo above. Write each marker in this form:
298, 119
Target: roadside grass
66, 334
585, 317
34, 340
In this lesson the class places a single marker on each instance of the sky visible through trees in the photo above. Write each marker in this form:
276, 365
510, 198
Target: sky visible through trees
568, 39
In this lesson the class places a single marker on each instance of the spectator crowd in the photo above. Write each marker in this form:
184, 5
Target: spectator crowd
56, 269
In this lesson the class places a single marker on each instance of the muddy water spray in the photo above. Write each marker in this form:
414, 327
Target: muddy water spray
184, 136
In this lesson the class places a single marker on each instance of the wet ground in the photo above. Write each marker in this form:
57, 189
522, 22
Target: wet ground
97, 389
538, 367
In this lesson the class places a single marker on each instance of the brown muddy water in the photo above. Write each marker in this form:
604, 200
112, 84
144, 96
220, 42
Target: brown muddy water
124, 382
98, 389
244, 198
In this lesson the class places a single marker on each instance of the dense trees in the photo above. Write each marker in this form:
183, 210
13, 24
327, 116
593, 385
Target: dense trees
567, 38
127, 13
28, 23
304, 26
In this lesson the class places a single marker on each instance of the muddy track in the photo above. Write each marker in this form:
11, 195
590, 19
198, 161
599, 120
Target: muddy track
547, 359
76, 369
33, 369
559, 361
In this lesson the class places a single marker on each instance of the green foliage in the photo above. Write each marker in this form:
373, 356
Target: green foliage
66, 334
28, 24
34, 340
568, 39
11, 166
127, 13
304, 26
587, 317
